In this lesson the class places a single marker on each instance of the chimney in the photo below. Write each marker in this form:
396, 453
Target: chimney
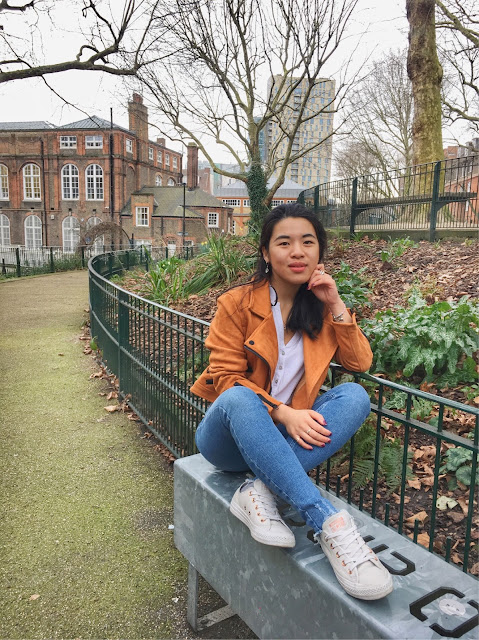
161, 141
192, 167
138, 117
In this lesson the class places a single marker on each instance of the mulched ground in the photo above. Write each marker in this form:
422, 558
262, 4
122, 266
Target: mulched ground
445, 270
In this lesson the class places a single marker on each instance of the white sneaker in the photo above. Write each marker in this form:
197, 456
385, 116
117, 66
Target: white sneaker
254, 504
357, 568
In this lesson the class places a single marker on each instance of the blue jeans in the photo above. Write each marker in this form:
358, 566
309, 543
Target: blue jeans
238, 434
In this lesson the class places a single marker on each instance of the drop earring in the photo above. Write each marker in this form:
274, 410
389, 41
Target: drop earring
267, 268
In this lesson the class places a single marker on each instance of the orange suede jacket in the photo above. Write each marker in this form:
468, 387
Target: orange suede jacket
244, 349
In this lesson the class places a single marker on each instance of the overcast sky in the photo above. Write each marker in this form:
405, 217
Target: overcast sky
380, 25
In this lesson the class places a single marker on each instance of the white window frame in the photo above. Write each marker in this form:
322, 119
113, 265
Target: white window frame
246, 202
175, 162
31, 182
232, 202
150, 154
233, 227
167, 159
94, 182
33, 232
70, 182
158, 180
142, 216
68, 142
4, 193
70, 233
4, 230
213, 220
276, 203
93, 142
160, 156
171, 182
128, 145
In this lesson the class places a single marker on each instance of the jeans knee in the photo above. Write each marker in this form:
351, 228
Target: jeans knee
358, 396
235, 396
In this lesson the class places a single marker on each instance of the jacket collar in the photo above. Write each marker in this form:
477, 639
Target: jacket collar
260, 302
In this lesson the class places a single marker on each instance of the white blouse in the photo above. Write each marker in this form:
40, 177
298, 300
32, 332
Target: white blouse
290, 367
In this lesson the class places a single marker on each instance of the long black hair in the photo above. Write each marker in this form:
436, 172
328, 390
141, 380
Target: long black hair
307, 311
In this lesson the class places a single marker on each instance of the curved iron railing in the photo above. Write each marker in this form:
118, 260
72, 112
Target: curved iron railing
157, 352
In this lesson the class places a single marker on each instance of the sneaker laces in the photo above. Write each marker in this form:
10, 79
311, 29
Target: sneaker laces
351, 545
265, 501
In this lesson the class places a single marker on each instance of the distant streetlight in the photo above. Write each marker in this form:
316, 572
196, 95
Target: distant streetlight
183, 180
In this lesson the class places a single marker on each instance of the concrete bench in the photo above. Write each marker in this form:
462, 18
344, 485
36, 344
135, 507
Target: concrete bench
293, 593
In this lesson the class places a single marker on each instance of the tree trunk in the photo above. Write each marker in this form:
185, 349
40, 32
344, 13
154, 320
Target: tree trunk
425, 73
257, 191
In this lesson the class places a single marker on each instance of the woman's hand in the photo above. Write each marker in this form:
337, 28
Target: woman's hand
306, 426
324, 288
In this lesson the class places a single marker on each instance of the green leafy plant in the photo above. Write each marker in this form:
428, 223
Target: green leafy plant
166, 282
225, 261
434, 342
395, 249
458, 461
352, 286
390, 459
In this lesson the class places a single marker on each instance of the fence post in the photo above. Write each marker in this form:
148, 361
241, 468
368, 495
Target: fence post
316, 199
354, 202
4, 268
52, 262
435, 206
123, 336
127, 260
82, 257
17, 255
147, 262
110, 265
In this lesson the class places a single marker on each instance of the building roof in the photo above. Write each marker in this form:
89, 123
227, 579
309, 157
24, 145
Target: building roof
32, 125
94, 122
168, 201
238, 189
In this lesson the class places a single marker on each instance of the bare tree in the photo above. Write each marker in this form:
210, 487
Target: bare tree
425, 73
214, 89
457, 24
378, 131
115, 38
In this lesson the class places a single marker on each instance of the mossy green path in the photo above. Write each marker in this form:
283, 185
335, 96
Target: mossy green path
85, 547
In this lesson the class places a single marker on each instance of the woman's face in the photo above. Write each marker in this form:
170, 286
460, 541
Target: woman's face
293, 251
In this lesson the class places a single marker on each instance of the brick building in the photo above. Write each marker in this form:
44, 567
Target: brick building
58, 181
157, 214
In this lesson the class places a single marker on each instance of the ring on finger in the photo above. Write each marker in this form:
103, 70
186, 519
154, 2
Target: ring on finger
308, 431
321, 272
298, 438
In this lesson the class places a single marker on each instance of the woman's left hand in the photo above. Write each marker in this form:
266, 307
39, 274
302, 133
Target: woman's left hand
324, 287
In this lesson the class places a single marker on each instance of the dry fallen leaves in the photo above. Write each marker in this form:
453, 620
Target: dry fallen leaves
112, 407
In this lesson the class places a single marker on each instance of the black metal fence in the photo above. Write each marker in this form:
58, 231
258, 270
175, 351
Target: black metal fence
428, 197
24, 261
157, 353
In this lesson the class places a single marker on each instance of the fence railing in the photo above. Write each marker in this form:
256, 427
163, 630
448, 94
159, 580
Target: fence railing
157, 353
430, 197
23, 261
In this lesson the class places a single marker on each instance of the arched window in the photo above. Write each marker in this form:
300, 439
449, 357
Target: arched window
4, 231
99, 242
3, 182
70, 182
158, 180
71, 233
94, 182
33, 232
171, 182
31, 182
